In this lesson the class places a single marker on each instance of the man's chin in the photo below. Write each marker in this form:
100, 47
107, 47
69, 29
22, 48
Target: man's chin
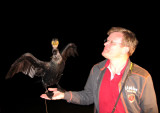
104, 55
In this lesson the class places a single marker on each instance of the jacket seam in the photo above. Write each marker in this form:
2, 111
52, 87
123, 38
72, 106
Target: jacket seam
125, 106
143, 87
140, 75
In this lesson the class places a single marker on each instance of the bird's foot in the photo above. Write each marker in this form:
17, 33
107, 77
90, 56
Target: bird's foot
61, 90
49, 94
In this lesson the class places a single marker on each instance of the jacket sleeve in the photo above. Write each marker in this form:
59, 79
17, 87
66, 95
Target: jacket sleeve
84, 97
148, 97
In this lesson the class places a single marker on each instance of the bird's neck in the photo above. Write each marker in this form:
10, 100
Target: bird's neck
56, 58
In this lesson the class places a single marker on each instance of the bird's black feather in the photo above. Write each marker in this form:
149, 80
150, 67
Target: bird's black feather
69, 50
50, 72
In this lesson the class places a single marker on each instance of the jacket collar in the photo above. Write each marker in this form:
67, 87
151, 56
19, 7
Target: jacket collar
102, 67
126, 71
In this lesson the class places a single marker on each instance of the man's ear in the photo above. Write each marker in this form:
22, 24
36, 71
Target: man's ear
125, 50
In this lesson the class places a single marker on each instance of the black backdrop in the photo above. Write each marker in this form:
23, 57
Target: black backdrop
32, 31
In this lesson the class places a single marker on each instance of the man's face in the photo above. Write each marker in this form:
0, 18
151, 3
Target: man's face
113, 46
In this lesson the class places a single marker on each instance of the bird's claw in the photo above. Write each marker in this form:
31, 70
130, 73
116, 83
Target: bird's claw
49, 94
61, 90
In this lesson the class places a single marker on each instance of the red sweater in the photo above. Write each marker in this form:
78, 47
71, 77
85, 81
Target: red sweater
109, 92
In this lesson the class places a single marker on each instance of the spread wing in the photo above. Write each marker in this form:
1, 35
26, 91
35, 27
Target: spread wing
26, 64
69, 50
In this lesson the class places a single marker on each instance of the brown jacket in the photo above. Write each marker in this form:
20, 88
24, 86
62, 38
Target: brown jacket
138, 95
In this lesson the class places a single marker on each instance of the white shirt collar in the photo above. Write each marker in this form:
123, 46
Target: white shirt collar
112, 75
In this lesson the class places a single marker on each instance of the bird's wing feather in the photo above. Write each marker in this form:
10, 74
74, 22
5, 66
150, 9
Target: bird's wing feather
69, 50
26, 64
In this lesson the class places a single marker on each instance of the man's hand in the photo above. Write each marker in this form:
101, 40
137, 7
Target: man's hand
57, 94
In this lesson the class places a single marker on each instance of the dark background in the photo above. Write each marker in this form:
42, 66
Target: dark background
27, 28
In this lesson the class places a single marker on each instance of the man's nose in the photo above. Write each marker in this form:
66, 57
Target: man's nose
106, 43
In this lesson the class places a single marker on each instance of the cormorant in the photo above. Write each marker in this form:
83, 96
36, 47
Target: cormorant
51, 71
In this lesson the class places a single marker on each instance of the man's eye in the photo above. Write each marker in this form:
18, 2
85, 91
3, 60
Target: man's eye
111, 42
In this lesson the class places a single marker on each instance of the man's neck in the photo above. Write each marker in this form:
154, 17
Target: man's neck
117, 65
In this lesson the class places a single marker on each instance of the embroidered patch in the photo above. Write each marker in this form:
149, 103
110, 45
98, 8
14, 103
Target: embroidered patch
131, 98
131, 89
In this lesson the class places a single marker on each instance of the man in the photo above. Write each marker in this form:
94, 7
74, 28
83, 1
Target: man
116, 73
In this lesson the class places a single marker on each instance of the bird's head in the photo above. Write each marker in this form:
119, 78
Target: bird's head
55, 43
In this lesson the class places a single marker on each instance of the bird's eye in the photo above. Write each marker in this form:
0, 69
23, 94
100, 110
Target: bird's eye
53, 42
57, 42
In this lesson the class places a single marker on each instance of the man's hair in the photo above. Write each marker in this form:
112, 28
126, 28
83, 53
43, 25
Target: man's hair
129, 38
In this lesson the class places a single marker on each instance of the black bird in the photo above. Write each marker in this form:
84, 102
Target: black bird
51, 71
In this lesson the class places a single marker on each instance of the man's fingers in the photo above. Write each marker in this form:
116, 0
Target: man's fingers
56, 94
52, 89
45, 96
